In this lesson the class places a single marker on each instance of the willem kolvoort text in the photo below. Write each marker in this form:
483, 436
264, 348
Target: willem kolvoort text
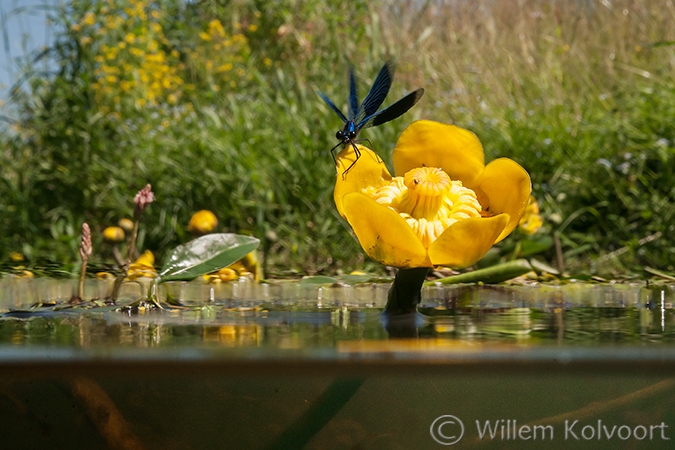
509, 430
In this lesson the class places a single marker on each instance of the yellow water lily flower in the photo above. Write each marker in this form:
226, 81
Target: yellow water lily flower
247, 266
113, 234
202, 222
143, 267
446, 207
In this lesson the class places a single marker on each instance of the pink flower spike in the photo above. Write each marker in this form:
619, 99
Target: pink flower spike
85, 242
144, 197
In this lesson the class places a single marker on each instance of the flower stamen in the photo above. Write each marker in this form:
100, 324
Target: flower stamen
428, 200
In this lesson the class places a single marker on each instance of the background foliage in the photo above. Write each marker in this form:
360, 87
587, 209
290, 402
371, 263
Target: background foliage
214, 104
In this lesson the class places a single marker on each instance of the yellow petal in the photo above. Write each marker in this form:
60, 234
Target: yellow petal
507, 187
465, 242
369, 170
146, 259
432, 144
383, 234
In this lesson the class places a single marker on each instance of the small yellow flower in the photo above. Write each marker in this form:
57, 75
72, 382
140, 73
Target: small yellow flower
89, 19
531, 220
202, 222
224, 67
246, 267
143, 267
126, 224
223, 275
447, 209
16, 256
105, 276
146, 259
113, 234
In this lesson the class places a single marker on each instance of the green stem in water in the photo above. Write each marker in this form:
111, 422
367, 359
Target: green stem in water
406, 291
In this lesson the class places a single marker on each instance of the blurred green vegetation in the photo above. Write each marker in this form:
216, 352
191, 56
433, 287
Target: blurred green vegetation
214, 104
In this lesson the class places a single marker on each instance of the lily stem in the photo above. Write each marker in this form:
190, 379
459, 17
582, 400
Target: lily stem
406, 291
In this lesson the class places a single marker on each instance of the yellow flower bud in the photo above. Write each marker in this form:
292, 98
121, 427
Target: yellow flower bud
202, 222
113, 234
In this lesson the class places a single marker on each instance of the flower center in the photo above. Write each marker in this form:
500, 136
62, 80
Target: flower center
428, 200
424, 197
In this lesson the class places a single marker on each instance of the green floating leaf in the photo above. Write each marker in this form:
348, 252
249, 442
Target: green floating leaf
206, 254
319, 280
356, 279
489, 275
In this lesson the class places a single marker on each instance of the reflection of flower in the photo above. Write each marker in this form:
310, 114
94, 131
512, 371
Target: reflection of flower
113, 234
448, 207
531, 220
202, 222
143, 267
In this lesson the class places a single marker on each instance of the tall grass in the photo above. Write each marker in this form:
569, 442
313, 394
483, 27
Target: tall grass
580, 93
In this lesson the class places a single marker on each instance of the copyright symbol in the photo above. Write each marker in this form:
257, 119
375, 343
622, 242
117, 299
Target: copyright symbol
447, 430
